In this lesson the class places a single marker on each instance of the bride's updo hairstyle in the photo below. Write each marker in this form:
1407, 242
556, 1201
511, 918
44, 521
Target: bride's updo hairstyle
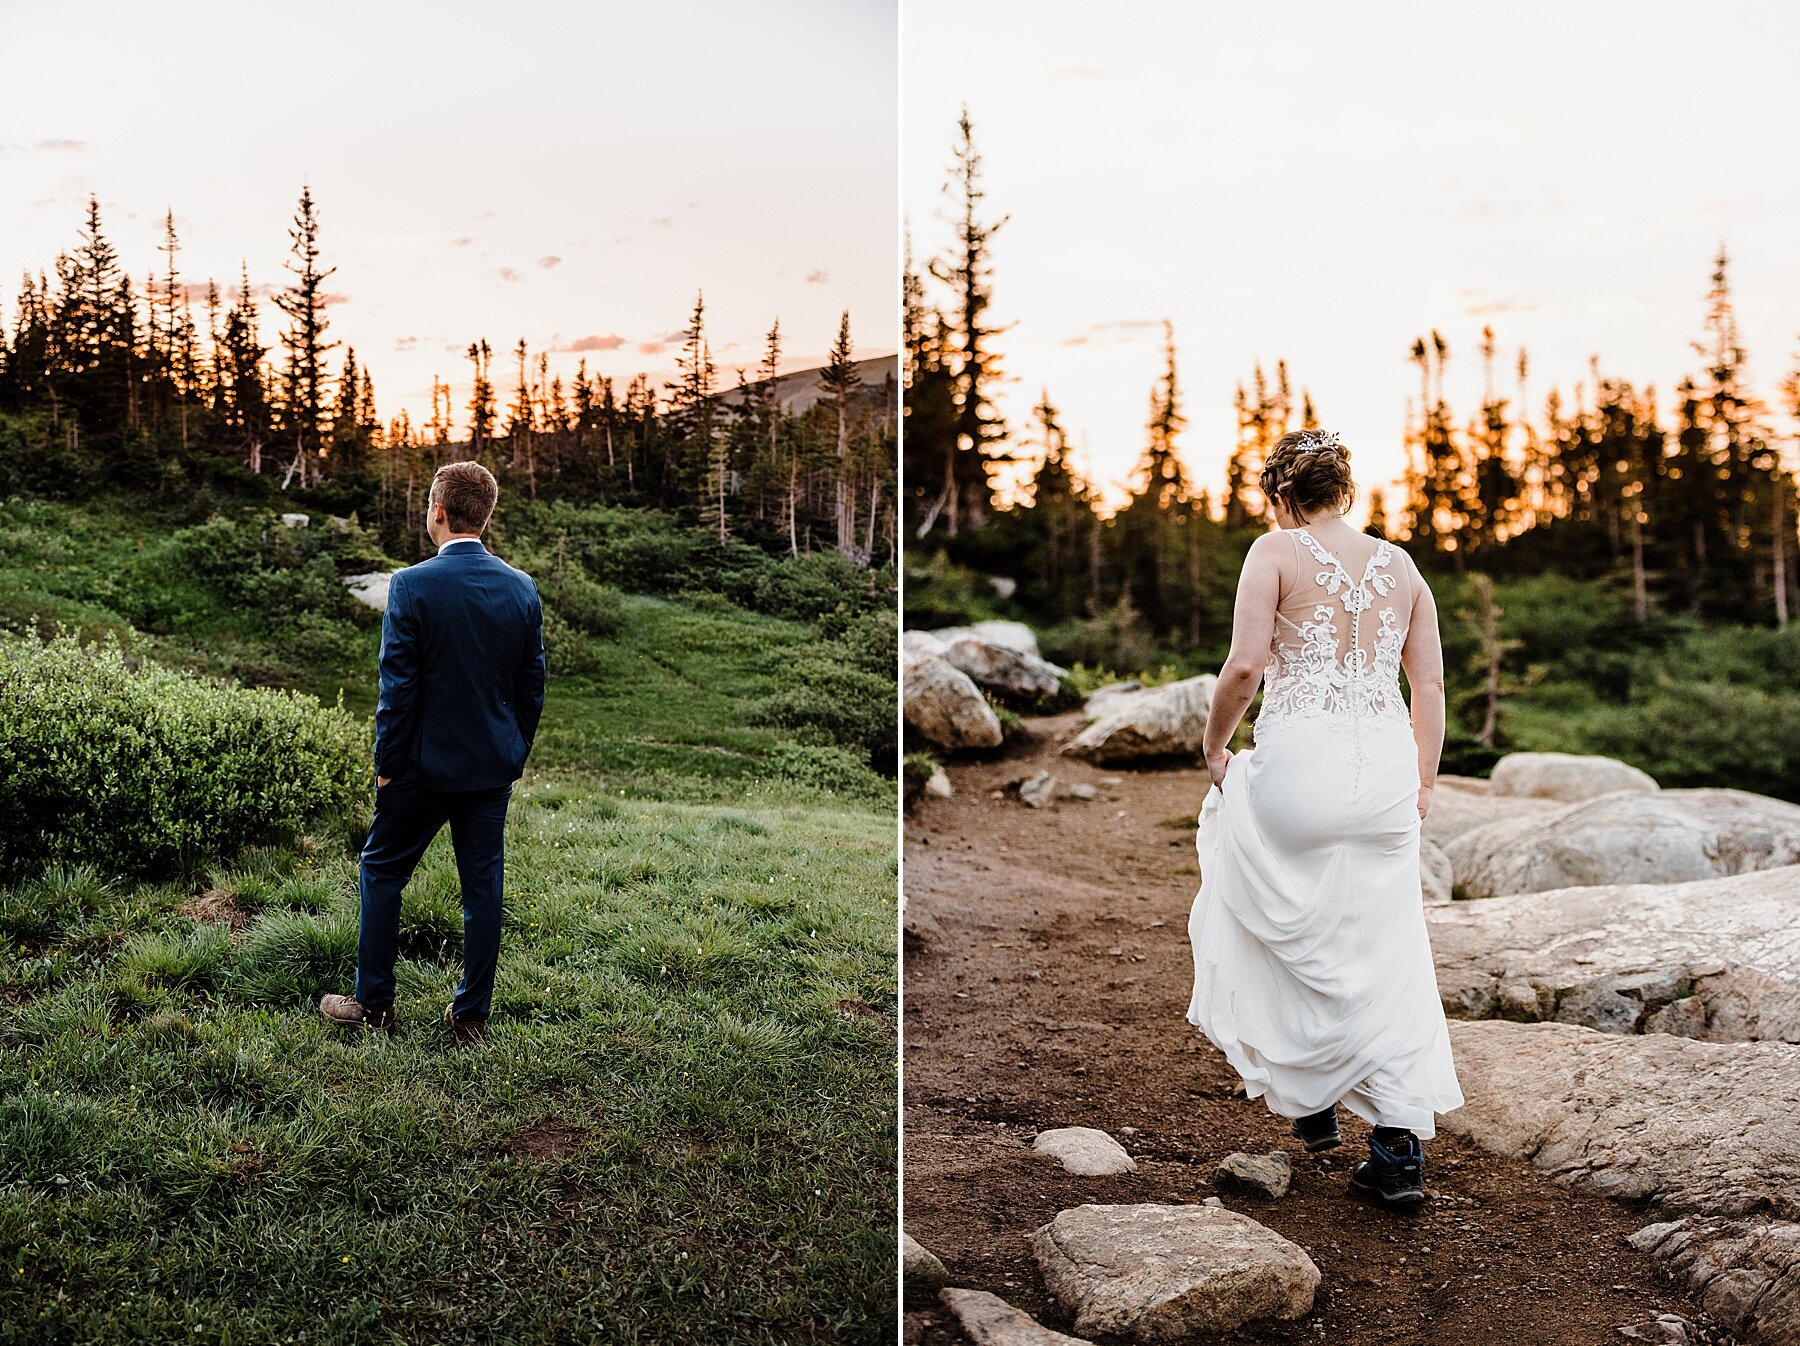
1309, 472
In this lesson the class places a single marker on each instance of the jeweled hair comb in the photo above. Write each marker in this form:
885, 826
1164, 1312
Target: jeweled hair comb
1311, 441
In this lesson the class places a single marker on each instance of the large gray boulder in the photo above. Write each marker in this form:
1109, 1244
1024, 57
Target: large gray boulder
1715, 959
1436, 879
1567, 776
1150, 722
945, 707
1707, 1135
1460, 804
1013, 635
1667, 837
1170, 1273
1005, 669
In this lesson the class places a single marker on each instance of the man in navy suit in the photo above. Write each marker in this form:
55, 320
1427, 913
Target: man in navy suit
462, 689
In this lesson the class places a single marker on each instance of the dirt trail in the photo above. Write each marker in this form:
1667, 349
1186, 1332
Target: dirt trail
1054, 995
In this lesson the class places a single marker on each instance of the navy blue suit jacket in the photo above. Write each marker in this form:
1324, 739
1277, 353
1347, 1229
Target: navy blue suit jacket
462, 672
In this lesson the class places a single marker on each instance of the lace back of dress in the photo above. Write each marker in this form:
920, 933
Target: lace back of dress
1337, 643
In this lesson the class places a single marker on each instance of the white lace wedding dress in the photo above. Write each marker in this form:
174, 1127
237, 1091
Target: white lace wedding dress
1312, 967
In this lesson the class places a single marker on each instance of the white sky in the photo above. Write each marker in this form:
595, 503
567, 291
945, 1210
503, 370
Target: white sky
455, 149
1324, 182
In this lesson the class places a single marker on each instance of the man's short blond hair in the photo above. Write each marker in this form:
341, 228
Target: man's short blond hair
467, 491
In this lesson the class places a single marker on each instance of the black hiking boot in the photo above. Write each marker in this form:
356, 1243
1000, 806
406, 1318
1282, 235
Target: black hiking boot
1319, 1131
1394, 1173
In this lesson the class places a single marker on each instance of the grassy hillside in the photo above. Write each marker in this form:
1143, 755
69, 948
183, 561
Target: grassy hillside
682, 1126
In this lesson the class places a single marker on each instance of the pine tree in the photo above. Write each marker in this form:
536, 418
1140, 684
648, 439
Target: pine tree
842, 381
968, 456
702, 465
481, 398
243, 392
305, 379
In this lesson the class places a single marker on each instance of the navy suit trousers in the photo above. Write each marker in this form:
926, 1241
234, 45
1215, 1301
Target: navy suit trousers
407, 817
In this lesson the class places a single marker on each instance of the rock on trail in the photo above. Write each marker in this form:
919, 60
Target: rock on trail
1170, 1273
920, 1267
1268, 1174
1085, 1150
988, 1320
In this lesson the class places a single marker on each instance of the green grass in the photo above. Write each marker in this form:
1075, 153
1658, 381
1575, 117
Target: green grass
682, 1125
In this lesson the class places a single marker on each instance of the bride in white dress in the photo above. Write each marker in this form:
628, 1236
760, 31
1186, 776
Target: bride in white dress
1312, 967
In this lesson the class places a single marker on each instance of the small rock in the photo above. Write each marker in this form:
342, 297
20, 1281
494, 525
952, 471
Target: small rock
1214, 1202
1085, 1150
1169, 1273
295, 520
1265, 1173
1666, 1329
1038, 790
1684, 1018
919, 1266
1519, 1000
988, 1320
1081, 791
1112, 782
939, 784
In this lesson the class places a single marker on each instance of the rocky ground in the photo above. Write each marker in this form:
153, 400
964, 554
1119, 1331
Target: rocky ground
1047, 975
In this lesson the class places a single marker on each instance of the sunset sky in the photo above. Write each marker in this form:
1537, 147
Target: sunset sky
570, 173
1325, 182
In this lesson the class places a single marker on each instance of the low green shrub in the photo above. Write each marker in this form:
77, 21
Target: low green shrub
122, 764
826, 768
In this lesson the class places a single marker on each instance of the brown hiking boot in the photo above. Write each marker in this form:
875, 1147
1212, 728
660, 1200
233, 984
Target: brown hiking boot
345, 1012
465, 1030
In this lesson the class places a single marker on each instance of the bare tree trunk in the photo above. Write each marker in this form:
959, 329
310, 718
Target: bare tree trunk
1639, 586
1780, 551
874, 512
793, 493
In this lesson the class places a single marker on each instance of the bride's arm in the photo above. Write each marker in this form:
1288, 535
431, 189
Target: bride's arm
1252, 629
1423, 659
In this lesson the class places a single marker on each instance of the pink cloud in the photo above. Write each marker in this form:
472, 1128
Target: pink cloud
548, 262
819, 277
610, 342
510, 276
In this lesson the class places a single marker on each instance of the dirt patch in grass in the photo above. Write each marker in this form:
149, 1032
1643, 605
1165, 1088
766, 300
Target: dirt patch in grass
549, 1139
248, 1162
216, 905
